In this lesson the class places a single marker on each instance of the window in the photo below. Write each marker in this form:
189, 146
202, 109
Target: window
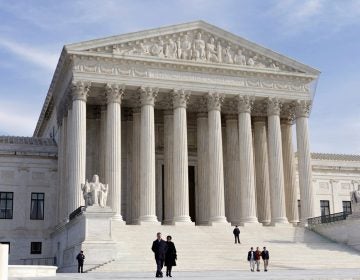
299, 209
7, 243
346, 206
324, 207
37, 206
35, 248
6, 205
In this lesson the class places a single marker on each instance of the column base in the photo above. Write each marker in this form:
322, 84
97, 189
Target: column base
146, 220
118, 218
181, 220
248, 220
221, 220
279, 221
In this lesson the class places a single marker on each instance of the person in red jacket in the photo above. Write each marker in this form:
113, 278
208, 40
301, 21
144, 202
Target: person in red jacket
257, 258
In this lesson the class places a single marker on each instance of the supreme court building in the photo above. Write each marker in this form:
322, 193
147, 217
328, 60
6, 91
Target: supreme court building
187, 124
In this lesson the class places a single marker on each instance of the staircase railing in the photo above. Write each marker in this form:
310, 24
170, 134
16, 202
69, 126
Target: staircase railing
76, 213
328, 218
39, 261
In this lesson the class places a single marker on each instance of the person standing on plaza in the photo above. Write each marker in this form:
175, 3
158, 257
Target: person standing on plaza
159, 247
257, 258
236, 233
251, 259
265, 257
170, 256
80, 259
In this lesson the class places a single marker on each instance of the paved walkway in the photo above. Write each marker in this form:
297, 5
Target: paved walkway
227, 275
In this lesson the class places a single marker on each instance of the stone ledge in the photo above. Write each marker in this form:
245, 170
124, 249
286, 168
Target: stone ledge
32, 271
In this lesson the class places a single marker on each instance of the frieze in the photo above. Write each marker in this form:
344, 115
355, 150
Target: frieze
152, 73
195, 45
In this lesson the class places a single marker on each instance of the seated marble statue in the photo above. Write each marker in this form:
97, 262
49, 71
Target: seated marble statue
95, 193
355, 196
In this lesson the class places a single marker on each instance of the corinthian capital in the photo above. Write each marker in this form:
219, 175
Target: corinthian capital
148, 95
273, 106
114, 93
302, 108
180, 98
214, 101
80, 90
245, 103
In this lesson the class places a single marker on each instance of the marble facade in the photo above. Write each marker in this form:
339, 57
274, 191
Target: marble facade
186, 125
193, 78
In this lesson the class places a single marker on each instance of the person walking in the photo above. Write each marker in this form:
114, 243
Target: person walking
170, 256
80, 259
265, 257
257, 258
159, 247
236, 233
251, 259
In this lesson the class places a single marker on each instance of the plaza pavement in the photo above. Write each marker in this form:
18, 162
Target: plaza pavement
329, 274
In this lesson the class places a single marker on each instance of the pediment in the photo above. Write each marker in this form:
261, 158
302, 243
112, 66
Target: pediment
197, 42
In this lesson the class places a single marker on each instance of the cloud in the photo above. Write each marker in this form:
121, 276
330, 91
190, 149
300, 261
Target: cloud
308, 15
38, 57
16, 123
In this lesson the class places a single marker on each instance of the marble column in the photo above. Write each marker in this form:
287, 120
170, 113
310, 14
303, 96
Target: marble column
62, 209
216, 165
232, 190
246, 170
276, 168
302, 110
202, 192
114, 94
147, 157
78, 148
180, 158
289, 171
129, 158
168, 166
135, 191
68, 163
262, 170
102, 147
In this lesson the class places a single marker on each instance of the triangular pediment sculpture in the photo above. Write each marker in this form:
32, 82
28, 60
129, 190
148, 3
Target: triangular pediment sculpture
196, 42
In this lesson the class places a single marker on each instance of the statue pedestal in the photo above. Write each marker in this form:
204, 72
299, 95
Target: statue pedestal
90, 232
98, 223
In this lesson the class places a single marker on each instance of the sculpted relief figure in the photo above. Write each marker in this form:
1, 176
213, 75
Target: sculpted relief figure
184, 48
211, 52
199, 48
239, 58
157, 49
95, 193
228, 56
171, 49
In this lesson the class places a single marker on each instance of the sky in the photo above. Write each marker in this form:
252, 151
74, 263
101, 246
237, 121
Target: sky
324, 34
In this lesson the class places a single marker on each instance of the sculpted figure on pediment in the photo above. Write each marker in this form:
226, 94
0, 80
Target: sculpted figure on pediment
184, 48
239, 58
228, 56
144, 49
157, 49
171, 49
211, 52
199, 48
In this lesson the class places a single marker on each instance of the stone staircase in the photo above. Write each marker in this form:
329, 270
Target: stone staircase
213, 248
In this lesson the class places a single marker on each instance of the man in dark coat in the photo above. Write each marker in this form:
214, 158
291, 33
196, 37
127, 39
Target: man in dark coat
265, 257
80, 259
236, 233
251, 259
159, 247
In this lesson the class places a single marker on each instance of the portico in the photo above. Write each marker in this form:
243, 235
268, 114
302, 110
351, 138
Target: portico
139, 109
